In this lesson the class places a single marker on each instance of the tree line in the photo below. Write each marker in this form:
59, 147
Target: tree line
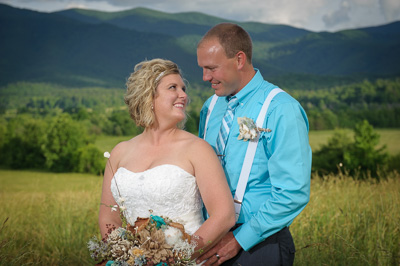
54, 128
377, 102
59, 144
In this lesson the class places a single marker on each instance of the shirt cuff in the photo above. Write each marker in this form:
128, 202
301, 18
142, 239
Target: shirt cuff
246, 237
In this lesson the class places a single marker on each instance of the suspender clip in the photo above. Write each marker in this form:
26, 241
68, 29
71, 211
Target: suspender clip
237, 201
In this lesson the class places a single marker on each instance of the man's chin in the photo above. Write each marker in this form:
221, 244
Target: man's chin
219, 92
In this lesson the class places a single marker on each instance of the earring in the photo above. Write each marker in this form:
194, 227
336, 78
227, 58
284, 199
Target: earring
152, 107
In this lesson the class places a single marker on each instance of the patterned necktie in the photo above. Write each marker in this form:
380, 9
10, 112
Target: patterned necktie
226, 126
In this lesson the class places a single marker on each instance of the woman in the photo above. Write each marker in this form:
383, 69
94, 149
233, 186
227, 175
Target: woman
165, 169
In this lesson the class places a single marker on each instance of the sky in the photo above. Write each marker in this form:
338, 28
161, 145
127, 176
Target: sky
314, 15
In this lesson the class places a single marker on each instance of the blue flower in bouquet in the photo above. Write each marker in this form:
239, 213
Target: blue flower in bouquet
140, 260
159, 221
116, 263
121, 232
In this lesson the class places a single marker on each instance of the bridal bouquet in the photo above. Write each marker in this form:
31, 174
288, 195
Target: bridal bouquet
155, 240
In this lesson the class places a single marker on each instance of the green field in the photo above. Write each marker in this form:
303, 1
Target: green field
388, 137
52, 216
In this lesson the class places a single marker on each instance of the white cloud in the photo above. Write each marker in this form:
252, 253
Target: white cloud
338, 16
98, 5
316, 15
390, 9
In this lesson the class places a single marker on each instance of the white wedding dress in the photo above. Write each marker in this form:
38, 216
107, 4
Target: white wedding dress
167, 190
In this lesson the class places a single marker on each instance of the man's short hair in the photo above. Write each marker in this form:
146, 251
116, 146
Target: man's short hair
232, 38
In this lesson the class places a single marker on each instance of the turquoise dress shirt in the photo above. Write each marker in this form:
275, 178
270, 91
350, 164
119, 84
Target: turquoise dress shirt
278, 187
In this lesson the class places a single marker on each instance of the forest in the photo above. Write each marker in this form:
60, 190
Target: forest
52, 127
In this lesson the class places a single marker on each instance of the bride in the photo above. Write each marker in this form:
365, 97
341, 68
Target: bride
165, 169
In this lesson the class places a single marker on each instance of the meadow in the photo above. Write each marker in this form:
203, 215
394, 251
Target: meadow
47, 218
388, 137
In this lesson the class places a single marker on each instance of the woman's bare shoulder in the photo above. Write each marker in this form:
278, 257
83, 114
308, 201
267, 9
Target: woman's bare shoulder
123, 146
197, 144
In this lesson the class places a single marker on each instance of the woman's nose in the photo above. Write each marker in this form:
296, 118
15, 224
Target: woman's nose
182, 94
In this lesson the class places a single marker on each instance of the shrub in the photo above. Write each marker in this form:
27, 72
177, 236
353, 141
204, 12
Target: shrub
359, 157
90, 160
64, 139
22, 144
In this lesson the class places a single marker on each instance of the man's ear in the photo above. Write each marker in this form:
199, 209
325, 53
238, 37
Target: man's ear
241, 59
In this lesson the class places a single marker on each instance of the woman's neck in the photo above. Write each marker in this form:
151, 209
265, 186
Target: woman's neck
159, 136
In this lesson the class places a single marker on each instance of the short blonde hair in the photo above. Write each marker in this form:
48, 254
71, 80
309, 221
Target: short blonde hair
141, 88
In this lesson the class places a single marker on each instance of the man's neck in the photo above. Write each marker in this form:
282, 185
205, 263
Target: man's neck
248, 74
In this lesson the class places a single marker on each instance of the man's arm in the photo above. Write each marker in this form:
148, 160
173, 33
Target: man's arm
289, 167
203, 117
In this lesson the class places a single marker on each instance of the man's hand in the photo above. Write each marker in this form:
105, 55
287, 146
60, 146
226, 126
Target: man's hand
226, 249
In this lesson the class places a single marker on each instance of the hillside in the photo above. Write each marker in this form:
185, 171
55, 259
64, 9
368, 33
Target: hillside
85, 47
48, 47
178, 24
371, 51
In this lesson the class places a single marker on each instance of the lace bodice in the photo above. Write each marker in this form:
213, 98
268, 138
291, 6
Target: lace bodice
167, 190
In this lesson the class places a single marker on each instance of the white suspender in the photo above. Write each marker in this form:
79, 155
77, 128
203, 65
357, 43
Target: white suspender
250, 152
251, 149
210, 108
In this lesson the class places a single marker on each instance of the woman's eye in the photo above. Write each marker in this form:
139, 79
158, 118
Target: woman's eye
172, 87
184, 89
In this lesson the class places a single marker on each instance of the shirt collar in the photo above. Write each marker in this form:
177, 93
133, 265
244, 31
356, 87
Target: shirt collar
249, 89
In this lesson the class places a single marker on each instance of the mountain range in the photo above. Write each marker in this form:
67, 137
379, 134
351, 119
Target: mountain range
79, 47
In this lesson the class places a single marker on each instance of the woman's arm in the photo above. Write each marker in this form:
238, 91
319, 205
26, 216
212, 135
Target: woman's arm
108, 218
215, 193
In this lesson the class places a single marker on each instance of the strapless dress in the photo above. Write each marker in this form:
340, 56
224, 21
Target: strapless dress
165, 190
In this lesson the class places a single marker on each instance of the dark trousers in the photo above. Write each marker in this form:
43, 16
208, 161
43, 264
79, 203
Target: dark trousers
278, 249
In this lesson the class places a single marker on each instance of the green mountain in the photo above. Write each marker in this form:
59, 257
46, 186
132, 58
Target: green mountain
85, 47
50, 47
179, 24
371, 51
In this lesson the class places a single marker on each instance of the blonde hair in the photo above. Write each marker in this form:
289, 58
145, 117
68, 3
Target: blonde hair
141, 89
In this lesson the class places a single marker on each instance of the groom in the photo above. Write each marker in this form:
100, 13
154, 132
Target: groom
270, 174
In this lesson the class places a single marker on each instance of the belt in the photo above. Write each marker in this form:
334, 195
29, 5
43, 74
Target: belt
269, 240
235, 227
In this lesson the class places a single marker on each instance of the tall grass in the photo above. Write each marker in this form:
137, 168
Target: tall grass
52, 216
350, 222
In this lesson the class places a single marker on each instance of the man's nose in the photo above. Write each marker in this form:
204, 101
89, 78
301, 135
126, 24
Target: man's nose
206, 75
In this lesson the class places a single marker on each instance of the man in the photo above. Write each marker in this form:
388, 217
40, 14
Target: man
278, 184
